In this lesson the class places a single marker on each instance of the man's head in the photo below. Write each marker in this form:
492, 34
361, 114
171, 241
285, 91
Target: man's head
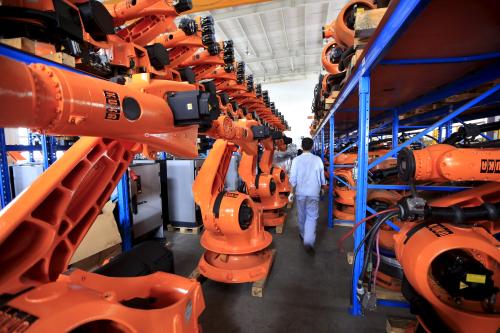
307, 144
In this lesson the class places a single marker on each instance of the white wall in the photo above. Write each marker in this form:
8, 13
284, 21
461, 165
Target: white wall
294, 99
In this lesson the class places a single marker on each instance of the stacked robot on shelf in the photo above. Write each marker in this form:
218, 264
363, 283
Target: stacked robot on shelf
141, 87
444, 255
336, 56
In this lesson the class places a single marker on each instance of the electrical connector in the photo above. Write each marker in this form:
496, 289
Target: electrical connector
411, 208
369, 301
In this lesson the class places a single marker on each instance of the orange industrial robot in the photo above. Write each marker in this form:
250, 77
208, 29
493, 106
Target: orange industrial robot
449, 247
42, 227
259, 185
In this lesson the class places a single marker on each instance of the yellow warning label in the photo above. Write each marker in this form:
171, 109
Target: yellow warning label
463, 285
476, 278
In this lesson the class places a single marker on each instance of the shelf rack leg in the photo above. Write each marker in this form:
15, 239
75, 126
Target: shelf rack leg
30, 143
449, 129
322, 138
395, 129
124, 218
361, 182
5, 191
48, 151
331, 172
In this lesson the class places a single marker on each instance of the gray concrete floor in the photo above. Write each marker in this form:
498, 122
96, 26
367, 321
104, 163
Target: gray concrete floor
303, 293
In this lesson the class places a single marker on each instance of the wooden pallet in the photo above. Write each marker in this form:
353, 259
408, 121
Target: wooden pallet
389, 295
186, 230
365, 25
257, 286
279, 228
30, 46
398, 325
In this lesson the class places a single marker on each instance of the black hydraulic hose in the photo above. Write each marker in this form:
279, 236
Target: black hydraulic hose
371, 242
488, 127
471, 131
378, 175
459, 215
367, 235
485, 144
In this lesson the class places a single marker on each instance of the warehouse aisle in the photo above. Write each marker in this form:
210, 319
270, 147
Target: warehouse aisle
303, 294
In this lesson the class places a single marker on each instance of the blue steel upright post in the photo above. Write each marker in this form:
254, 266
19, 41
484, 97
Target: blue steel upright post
322, 146
395, 128
124, 220
331, 174
5, 192
48, 151
361, 182
30, 143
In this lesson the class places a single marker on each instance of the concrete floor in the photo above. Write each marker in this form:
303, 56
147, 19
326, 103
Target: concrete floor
303, 293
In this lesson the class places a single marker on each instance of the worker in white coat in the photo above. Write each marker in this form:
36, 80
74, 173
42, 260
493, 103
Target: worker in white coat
307, 178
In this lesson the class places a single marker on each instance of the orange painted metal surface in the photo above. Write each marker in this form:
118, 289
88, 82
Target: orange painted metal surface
54, 101
344, 194
344, 212
342, 33
417, 252
88, 302
42, 227
387, 199
332, 68
441, 163
204, 5
234, 238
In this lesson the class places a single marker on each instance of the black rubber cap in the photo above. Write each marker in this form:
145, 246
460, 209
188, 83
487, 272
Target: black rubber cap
245, 216
406, 165
131, 108
183, 5
272, 186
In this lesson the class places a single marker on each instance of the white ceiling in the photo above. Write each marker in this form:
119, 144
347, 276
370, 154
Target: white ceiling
279, 40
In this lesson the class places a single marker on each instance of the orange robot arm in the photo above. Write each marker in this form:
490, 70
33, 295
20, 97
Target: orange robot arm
234, 234
55, 101
442, 163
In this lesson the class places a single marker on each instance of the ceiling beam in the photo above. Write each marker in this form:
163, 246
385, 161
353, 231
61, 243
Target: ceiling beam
246, 35
284, 29
305, 33
262, 8
291, 54
224, 36
265, 34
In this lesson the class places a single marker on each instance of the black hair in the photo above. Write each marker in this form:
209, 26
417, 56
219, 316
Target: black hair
307, 144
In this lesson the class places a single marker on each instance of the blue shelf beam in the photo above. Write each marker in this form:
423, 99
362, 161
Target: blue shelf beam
449, 60
418, 188
437, 124
124, 216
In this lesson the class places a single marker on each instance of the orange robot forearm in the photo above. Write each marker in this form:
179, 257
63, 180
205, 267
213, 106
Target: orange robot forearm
441, 163
55, 101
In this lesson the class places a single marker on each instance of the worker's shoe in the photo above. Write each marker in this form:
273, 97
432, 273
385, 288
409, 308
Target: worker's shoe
309, 249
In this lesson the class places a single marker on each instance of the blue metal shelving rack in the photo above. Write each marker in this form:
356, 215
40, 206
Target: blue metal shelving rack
48, 148
397, 118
